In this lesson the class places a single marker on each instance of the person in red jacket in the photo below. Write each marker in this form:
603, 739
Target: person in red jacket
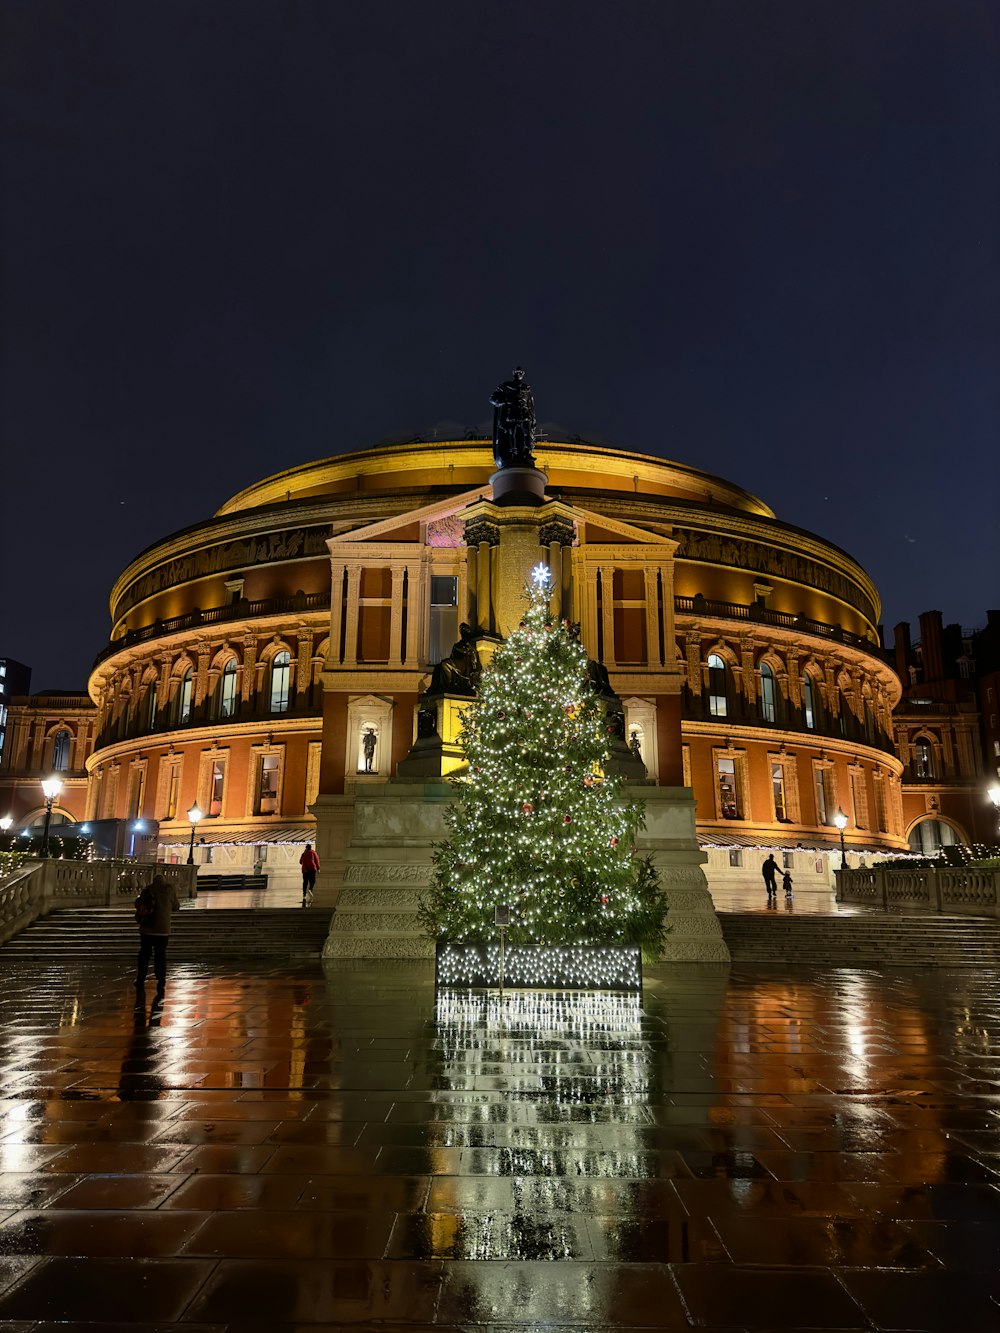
309, 862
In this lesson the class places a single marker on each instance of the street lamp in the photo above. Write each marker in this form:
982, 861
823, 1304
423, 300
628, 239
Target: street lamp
51, 787
840, 820
194, 814
5, 823
993, 793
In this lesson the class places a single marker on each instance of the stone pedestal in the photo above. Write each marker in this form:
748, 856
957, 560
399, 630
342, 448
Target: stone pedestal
334, 821
387, 867
693, 931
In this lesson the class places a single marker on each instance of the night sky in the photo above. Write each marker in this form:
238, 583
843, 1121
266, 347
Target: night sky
759, 238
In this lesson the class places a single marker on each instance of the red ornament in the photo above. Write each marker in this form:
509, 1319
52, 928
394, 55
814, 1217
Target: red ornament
527, 808
567, 819
588, 781
605, 899
614, 842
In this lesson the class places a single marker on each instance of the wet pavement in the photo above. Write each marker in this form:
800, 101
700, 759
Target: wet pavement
742, 1149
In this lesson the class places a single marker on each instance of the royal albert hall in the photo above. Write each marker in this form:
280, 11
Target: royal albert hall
274, 656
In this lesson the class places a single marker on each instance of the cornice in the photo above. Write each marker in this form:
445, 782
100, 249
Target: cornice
180, 740
720, 731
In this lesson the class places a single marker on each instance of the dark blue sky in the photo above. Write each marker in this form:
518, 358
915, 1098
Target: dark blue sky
760, 238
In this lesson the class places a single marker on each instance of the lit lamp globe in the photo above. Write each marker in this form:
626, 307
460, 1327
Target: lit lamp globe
5, 823
194, 814
994, 794
51, 787
840, 820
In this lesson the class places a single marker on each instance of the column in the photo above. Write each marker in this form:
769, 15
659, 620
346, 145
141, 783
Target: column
555, 569
566, 599
590, 634
472, 587
201, 678
653, 655
484, 591
396, 616
608, 613
336, 611
353, 614
303, 670
249, 666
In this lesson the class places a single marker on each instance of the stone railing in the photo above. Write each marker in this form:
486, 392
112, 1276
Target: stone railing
956, 892
39, 887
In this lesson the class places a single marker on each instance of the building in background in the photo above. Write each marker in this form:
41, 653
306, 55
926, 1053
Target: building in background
15, 680
948, 731
275, 653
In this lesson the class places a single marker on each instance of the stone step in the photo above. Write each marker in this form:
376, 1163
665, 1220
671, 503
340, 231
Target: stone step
111, 932
840, 941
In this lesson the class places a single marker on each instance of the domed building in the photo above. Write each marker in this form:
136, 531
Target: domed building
273, 657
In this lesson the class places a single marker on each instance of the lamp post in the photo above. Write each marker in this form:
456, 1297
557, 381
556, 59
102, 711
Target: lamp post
993, 793
840, 820
51, 787
194, 814
5, 824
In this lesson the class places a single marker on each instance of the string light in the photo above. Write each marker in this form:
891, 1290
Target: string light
542, 825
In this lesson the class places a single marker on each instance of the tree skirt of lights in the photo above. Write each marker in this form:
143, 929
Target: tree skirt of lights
539, 967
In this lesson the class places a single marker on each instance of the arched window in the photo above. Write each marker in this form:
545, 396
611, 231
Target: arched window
768, 698
280, 673
930, 835
226, 696
718, 702
923, 760
809, 702
60, 750
151, 705
185, 691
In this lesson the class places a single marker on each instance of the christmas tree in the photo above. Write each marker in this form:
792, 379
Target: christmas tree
541, 825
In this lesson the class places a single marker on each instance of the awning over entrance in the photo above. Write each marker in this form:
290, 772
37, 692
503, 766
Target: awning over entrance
296, 834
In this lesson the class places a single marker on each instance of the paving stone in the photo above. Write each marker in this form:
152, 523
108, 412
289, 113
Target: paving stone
748, 1148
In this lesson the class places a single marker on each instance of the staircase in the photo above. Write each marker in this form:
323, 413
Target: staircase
109, 934
861, 941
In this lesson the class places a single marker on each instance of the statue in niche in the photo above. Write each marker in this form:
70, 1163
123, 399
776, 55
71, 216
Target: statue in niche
634, 744
368, 742
513, 423
459, 672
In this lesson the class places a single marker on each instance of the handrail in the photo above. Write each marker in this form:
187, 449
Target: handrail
240, 610
698, 605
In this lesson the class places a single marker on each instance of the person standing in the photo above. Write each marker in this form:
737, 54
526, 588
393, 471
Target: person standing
157, 900
786, 883
770, 872
309, 862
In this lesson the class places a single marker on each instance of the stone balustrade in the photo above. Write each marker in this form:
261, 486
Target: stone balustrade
39, 887
953, 891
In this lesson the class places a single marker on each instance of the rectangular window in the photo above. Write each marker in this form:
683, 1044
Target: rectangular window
138, 787
729, 802
267, 785
859, 800
778, 792
822, 804
443, 626
881, 820
173, 790
787, 860
216, 786
735, 856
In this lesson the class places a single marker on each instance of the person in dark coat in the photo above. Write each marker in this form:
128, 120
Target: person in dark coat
154, 931
770, 872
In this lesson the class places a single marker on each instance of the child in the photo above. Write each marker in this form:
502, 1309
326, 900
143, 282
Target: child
786, 883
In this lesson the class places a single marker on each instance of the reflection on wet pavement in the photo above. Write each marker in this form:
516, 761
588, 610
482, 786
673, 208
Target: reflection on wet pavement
739, 1150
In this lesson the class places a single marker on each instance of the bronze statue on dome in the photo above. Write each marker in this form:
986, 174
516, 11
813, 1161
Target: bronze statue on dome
513, 422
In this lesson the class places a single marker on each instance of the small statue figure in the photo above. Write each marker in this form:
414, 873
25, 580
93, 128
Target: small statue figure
513, 423
368, 742
633, 744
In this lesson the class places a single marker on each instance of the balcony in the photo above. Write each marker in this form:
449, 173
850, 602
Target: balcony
241, 610
757, 614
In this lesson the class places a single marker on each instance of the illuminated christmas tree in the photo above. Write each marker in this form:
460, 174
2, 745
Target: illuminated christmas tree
542, 825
